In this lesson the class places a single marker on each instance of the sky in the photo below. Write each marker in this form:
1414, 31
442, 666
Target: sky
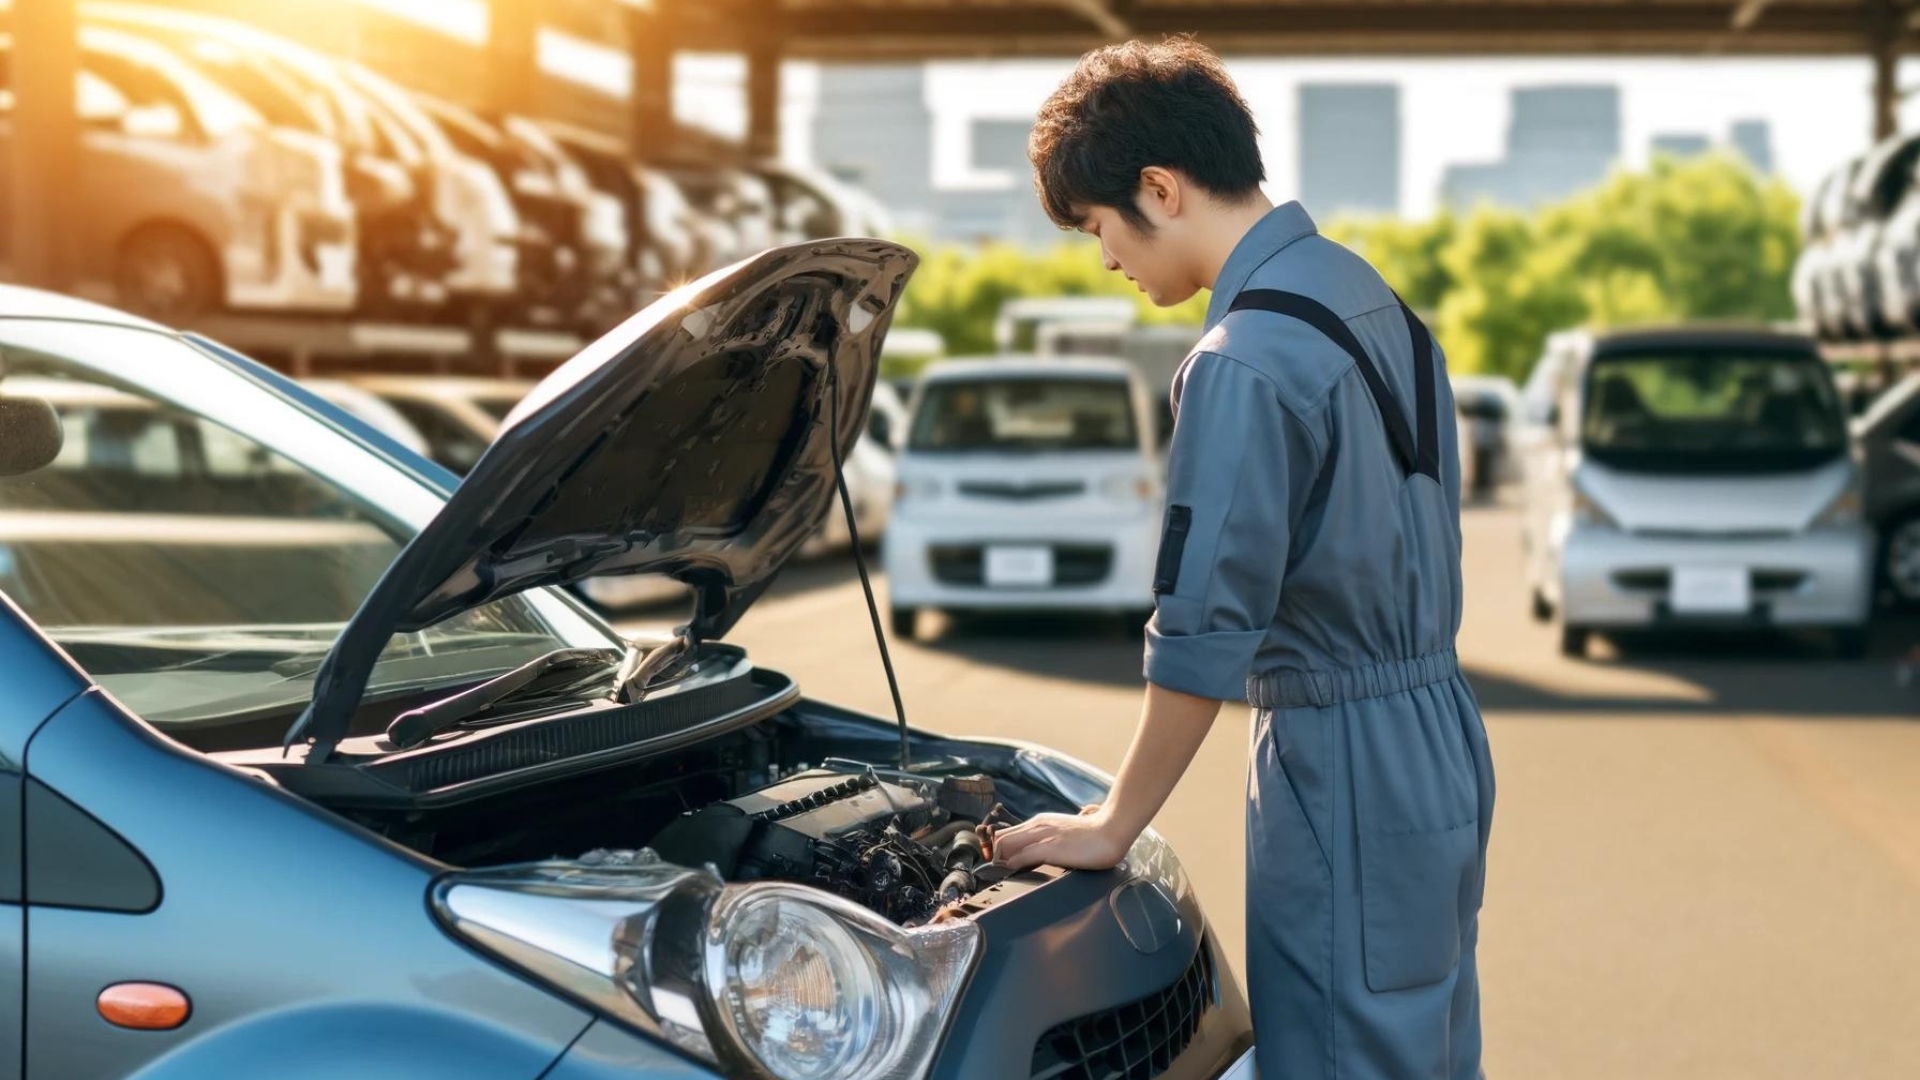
1452, 111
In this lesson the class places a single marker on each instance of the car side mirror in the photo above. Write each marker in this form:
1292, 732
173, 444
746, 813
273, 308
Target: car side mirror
30, 435
153, 122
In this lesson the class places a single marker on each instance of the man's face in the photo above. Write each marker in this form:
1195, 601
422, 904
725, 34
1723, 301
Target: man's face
1154, 263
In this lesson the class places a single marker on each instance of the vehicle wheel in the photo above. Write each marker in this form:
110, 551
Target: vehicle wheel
1542, 611
900, 622
1900, 561
1850, 642
1573, 641
167, 273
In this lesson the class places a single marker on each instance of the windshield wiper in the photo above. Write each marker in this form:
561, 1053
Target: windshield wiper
416, 726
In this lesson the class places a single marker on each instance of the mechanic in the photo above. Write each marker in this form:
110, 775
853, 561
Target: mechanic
1310, 566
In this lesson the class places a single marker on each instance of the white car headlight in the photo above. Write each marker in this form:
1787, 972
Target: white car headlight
1844, 511
1588, 512
919, 489
769, 979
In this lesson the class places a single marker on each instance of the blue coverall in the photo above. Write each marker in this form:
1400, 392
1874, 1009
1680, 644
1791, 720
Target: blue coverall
1310, 566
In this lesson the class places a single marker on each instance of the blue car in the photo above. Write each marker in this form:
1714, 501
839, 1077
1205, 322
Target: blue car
311, 767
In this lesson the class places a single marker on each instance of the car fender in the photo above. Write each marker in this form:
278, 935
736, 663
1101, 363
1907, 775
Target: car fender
366, 1043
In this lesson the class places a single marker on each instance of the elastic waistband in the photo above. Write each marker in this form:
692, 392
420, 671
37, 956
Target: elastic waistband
1293, 689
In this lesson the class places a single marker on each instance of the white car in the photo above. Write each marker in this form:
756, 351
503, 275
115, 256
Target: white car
1696, 477
1025, 484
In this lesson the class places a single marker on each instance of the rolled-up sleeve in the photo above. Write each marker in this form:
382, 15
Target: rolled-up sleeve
1240, 466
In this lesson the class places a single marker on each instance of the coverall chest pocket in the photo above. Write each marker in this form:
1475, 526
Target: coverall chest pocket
1416, 813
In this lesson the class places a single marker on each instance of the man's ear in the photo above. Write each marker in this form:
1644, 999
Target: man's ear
1160, 190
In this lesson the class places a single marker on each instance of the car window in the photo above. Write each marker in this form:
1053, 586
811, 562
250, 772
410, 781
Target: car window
1712, 410
1008, 414
198, 557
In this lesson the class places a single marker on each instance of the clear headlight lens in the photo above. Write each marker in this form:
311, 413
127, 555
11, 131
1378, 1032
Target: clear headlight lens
769, 979
1588, 512
1843, 511
798, 991
918, 489
1128, 488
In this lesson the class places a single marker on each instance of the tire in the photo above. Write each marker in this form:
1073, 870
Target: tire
1573, 641
1850, 642
1899, 569
1542, 611
167, 273
900, 622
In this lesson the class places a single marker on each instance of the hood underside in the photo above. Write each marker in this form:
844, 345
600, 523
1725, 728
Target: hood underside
690, 441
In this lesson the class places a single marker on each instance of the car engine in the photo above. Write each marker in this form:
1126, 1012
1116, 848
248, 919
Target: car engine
899, 844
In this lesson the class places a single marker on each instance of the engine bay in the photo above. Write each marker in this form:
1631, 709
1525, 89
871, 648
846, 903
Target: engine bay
899, 844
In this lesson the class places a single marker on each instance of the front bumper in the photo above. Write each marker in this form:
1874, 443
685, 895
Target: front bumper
1101, 563
1613, 578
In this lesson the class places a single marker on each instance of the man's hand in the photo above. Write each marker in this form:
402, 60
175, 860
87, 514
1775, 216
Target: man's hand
1087, 841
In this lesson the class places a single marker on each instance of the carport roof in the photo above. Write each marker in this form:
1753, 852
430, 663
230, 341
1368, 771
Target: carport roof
920, 29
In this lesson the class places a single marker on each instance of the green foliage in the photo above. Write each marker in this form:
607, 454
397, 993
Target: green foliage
1700, 239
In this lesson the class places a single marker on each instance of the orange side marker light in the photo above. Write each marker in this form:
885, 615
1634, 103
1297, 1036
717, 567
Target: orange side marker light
144, 1006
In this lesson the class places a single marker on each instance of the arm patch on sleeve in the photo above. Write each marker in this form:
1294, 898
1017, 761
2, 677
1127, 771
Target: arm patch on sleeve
1173, 542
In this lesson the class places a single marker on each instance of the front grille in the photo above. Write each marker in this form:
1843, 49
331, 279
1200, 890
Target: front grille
1073, 564
1137, 1041
1017, 492
1661, 581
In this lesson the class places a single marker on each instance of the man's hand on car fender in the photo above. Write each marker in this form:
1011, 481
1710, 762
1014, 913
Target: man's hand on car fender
1086, 841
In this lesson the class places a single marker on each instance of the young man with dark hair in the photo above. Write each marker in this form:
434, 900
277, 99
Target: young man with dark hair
1310, 566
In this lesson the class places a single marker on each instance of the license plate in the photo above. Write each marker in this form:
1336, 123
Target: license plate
1019, 567
1711, 590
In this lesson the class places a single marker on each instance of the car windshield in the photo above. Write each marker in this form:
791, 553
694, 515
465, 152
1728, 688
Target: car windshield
199, 542
1712, 410
1021, 415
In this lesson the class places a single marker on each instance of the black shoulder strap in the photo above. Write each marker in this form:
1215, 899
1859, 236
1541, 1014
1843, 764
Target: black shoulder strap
1416, 456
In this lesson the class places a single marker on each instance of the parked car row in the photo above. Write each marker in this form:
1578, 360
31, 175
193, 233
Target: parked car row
227, 168
1858, 275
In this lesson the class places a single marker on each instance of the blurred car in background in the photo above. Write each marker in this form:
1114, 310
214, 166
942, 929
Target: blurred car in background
551, 263
404, 250
672, 250
620, 188
607, 278
1696, 477
1816, 287
810, 204
1489, 407
195, 202
1884, 178
1888, 434
1025, 483
457, 415
741, 202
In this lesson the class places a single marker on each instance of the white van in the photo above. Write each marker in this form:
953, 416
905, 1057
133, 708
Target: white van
1025, 484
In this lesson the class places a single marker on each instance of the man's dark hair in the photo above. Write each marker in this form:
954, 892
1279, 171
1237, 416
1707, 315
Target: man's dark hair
1125, 107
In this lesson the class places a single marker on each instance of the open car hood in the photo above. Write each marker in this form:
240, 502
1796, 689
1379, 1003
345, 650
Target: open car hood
689, 441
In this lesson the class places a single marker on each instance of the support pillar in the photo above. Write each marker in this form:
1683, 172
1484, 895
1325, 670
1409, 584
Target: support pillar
46, 141
1883, 38
651, 44
513, 56
763, 92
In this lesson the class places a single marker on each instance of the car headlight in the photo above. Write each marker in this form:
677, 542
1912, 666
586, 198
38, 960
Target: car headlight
1128, 488
1844, 511
920, 489
1588, 512
769, 979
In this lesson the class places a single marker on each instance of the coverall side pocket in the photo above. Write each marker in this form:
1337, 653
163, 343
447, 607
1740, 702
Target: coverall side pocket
1417, 817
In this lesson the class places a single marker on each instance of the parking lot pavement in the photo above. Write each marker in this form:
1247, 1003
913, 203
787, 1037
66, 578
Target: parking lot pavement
1706, 857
